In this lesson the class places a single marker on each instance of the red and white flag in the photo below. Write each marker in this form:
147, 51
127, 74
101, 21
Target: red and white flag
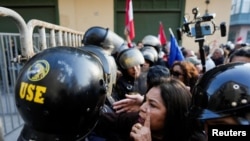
129, 19
161, 35
239, 40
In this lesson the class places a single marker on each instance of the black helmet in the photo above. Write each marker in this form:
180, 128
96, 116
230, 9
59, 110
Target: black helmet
153, 41
222, 91
108, 64
150, 54
130, 57
59, 94
102, 37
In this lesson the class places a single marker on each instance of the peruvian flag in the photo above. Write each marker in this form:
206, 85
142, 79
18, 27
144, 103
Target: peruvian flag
239, 40
161, 35
129, 19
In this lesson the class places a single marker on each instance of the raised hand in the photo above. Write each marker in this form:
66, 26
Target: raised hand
141, 132
131, 103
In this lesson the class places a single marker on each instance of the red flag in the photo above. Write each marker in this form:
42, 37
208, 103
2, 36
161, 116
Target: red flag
129, 19
161, 35
239, 40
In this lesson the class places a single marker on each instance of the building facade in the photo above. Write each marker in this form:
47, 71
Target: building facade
240, 21
82, 14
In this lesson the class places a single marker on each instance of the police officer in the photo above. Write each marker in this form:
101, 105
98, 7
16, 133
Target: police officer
59, 94
129, 63
150, 56
61, 91
154, 42
106, 45
222, 96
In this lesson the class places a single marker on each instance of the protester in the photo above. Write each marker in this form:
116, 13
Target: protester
240, 55
209, 63
196, 62
218, 56
187, 52
186, 72
160, 117
222, 97
190, 56
163, 114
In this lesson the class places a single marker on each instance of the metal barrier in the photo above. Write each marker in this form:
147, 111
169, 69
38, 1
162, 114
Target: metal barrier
16, 48
9, 50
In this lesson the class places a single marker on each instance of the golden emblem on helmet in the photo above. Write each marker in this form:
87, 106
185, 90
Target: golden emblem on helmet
38, 70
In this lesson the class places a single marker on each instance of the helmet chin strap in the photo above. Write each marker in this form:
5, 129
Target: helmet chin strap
85, 137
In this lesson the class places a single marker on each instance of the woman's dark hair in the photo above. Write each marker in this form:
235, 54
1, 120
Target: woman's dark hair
177, 99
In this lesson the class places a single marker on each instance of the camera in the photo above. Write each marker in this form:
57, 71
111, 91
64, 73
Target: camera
204, 30
200, 26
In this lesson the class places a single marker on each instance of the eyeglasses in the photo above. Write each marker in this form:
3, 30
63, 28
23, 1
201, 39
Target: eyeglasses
176, 73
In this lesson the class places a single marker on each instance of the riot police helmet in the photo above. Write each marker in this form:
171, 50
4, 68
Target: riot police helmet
150, 54
153, 41
102, 37
222, 91
60, 93
130, 57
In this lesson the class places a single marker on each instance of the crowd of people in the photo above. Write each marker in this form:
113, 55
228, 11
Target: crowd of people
108, 90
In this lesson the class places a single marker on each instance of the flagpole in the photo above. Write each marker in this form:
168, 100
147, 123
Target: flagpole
171, 32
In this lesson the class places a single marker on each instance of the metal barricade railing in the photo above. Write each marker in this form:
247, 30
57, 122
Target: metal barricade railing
16, 48
8, 73
57, 35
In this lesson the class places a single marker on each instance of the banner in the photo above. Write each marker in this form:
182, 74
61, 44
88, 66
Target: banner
129, 19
